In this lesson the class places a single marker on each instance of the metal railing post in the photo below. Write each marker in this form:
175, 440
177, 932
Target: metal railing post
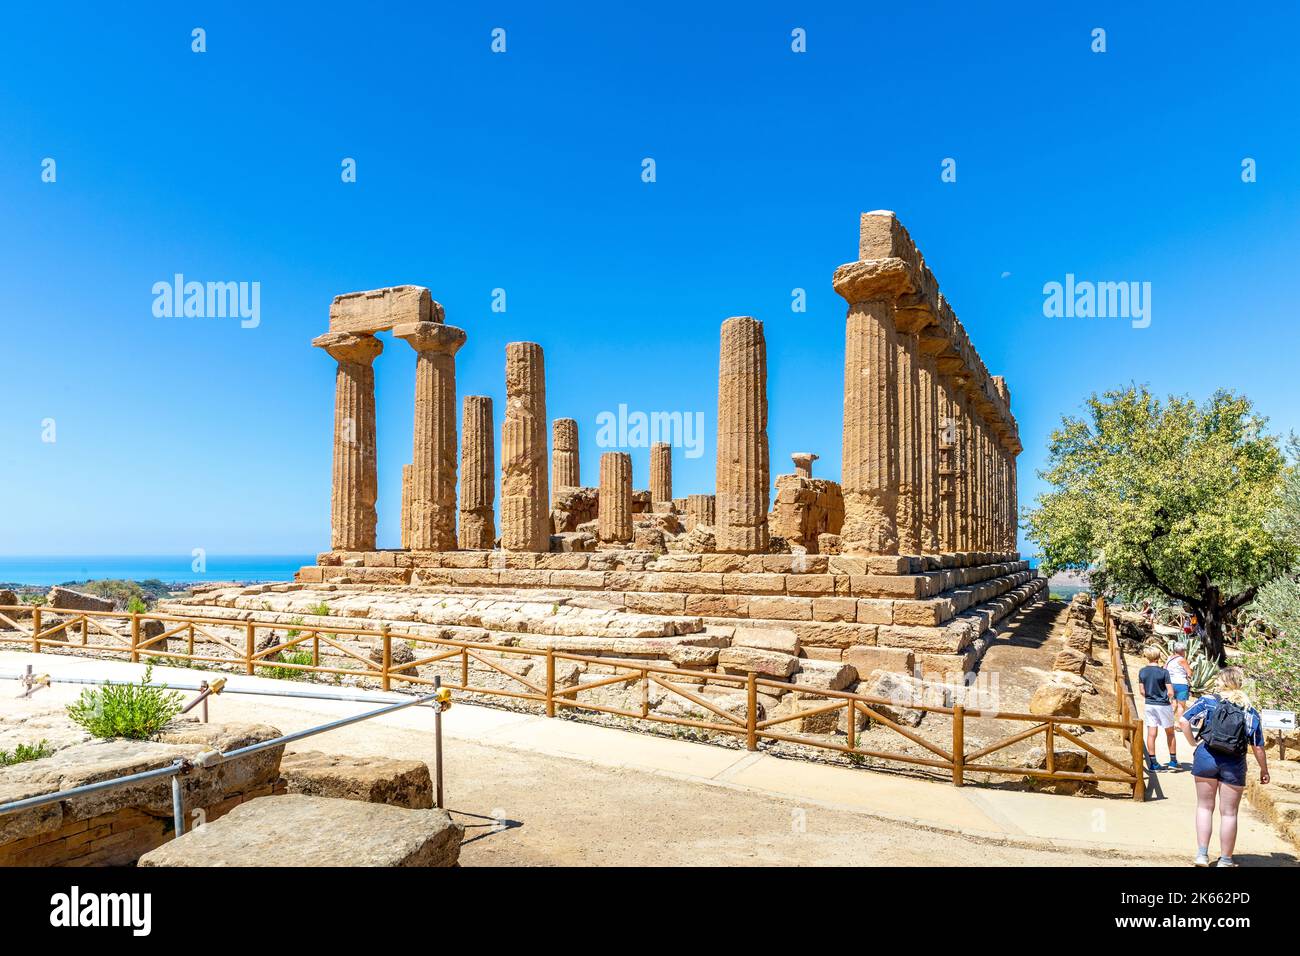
437, 744
178, 805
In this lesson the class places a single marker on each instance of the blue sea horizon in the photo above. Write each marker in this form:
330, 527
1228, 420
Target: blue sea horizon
44, 570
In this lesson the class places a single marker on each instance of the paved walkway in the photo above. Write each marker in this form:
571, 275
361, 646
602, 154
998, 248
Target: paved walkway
1158, 831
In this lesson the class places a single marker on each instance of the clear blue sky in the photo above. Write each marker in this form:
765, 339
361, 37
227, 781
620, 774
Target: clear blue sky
523, 171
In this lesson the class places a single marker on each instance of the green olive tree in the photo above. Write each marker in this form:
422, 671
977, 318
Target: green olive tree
1166, 498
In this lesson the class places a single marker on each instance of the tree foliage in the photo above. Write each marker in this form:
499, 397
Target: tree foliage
1166, 498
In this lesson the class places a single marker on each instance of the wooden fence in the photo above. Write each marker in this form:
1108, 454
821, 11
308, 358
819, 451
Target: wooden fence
954, 759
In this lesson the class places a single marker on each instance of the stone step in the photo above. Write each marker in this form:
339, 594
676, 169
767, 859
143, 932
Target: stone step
632, 560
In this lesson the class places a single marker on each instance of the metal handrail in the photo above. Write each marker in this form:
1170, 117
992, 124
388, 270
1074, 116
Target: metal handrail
215, 758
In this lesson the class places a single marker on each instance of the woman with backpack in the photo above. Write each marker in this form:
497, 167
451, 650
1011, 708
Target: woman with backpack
1227, 725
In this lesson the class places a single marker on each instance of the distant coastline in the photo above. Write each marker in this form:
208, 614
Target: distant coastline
48, 570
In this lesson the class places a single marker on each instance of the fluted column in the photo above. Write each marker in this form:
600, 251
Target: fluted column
433, 459
406, 507
525, 508
742, 463
700, 510
355, 482
564, 456
929, 472
870, 457
1013, 501
947, 465
909, 447
661, 472
615, 512
962, 483
478, 487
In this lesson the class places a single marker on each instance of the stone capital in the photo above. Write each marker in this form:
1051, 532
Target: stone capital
355, 348
874, 279
431, 337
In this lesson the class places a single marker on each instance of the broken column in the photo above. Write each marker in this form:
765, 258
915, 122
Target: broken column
525, 506
355, 482
615, 516
433, 460
477, 475
742, 464
661, 474
564, 456
699, 510
803, 463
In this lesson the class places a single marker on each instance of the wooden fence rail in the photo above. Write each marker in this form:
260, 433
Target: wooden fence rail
542, 690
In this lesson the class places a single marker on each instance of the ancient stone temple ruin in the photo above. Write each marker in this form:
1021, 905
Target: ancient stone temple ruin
906, 561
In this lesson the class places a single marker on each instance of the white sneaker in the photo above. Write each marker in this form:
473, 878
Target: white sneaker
1202, 859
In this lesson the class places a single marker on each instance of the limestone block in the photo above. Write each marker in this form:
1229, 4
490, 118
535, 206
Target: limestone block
297, 830
1055, 700
381, 309
763, 662
68, 599
767, 639
398, 783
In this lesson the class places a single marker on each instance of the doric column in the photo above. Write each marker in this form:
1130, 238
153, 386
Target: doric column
909, 447
615, 514
964, 505
983, 478
525, 506
564, 456
928, 405
406, 507
355, 483
699, 510
947, 465
661, 473
478, 486
433, 460
742, 465
803, 463
870, 457
1013, 501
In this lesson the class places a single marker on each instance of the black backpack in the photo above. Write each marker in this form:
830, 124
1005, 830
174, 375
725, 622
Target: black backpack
1225, 731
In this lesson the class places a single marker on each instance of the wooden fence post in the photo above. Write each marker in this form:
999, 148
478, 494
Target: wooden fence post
1139, 785
550, 682
751, 711
958, 744
851, 725
135, 637
250, 646
1051, 747
36, 630
385, 681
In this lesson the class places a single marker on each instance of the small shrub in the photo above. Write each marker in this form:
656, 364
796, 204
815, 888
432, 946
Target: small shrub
133, 711
24, 752
136, 606
321, 610
289, 673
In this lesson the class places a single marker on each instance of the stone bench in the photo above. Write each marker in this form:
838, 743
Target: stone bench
297, 830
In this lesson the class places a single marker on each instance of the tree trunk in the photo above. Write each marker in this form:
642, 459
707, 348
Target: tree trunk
1212, 617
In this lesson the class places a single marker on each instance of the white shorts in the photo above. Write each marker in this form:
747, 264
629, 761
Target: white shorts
1159, 715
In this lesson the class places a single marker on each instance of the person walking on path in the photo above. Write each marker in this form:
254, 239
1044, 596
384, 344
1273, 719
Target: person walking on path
1226, 725
1180, 675
1158, 695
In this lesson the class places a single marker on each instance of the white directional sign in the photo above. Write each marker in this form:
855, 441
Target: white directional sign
1277, 719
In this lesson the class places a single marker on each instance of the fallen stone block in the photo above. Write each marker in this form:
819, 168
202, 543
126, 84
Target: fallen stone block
901, 694
70, 600
765, 663
298, 830
398, 783
767, 639
1055, 700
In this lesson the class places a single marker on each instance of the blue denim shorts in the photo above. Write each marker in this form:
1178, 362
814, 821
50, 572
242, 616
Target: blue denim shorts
1181, 691
1229, 770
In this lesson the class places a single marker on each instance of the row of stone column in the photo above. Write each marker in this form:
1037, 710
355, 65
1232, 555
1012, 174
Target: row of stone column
430, 505
922, 472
